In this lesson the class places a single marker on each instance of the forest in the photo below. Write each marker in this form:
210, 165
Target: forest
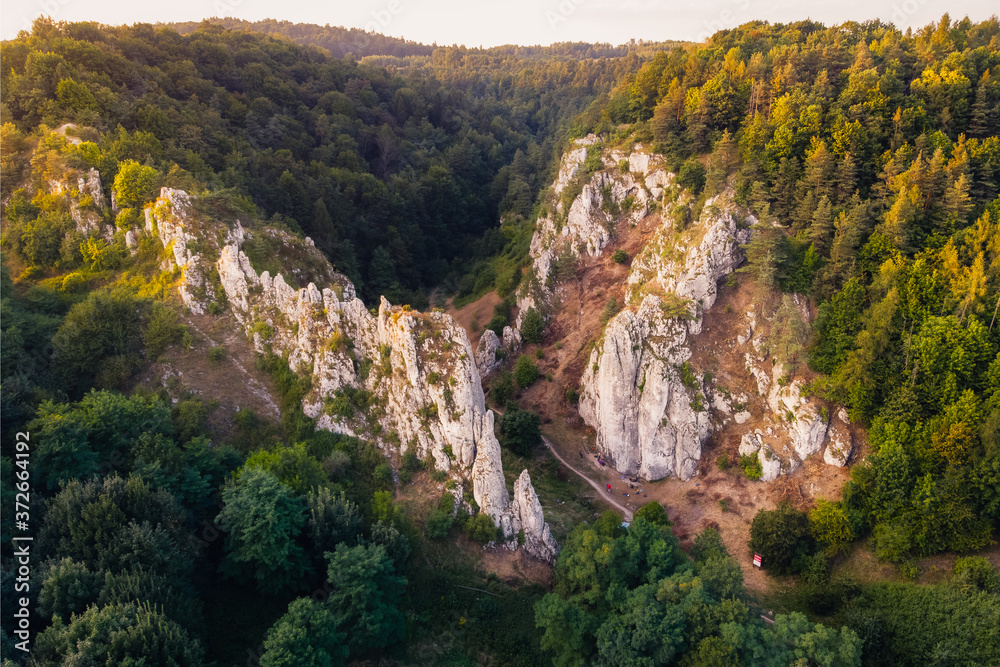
869, 155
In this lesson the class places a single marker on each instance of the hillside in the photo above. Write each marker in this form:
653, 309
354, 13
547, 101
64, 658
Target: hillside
323, 347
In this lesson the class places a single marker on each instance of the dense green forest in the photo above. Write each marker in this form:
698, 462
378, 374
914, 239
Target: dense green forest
871, 157
397, 177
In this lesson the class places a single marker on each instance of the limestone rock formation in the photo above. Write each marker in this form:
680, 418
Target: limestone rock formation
486, 353
587, 222
633, 394
400, 378
538, 539
838, 450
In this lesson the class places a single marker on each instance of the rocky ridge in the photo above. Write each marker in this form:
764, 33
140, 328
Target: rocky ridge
650, 410
397, 377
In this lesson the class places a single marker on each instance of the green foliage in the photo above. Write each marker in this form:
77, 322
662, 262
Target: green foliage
525, 371
619, 256
502, 387
977, 573
135, 184
365, 597
481, 528
751, 466
118, 634
692, 176
306, 635
653, 512
263, 520
101, 340
532, 327
831, 527
611, 309
161, 331
441, 518
292, 466
910, 624
520, 430
116, 523
782, 537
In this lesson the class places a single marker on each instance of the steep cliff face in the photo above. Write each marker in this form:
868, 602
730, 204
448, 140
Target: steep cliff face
649, 411
651, 408
399, 378
634, 397
585, 224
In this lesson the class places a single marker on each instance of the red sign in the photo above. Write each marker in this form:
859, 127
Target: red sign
757, 560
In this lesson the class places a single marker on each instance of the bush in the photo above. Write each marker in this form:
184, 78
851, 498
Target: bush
619, 256
162, 331
525, 371
481, 528
441, 518
101, 338
978, 573
135, 184
751, 466
532, 327
782, 538
502, 387
611, 309
497, 323
217, 354
722, 462
692, 176
520, 431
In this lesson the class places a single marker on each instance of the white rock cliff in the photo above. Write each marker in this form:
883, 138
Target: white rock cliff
400, 378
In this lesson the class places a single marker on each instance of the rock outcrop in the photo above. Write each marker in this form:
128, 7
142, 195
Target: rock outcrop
650, 410
586, 223
528, 518
647, 421
650, 419
838, 450
400, 378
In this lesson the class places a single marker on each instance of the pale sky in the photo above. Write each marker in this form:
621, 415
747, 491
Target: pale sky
503, 21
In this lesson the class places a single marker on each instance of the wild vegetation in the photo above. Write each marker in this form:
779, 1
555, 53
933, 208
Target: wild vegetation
870, 156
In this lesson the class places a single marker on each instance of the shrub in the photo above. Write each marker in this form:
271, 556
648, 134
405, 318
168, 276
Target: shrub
722, 462
217, 354
751, 466
782, 538
525, 371
497, 323
502, 387
532, 326
831, 527
162, 331
692, 176
611, 309
977, 572
481, 528
135, 184
688, 378
262, 328
520, 431
619, 256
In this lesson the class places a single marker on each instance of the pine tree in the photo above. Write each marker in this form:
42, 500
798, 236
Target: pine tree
821, 228
847, 178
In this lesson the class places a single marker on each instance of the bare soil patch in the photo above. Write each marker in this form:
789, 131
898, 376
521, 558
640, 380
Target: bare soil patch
234, 383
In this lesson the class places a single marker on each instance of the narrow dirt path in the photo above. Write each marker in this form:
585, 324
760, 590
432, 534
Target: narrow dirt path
604, 494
